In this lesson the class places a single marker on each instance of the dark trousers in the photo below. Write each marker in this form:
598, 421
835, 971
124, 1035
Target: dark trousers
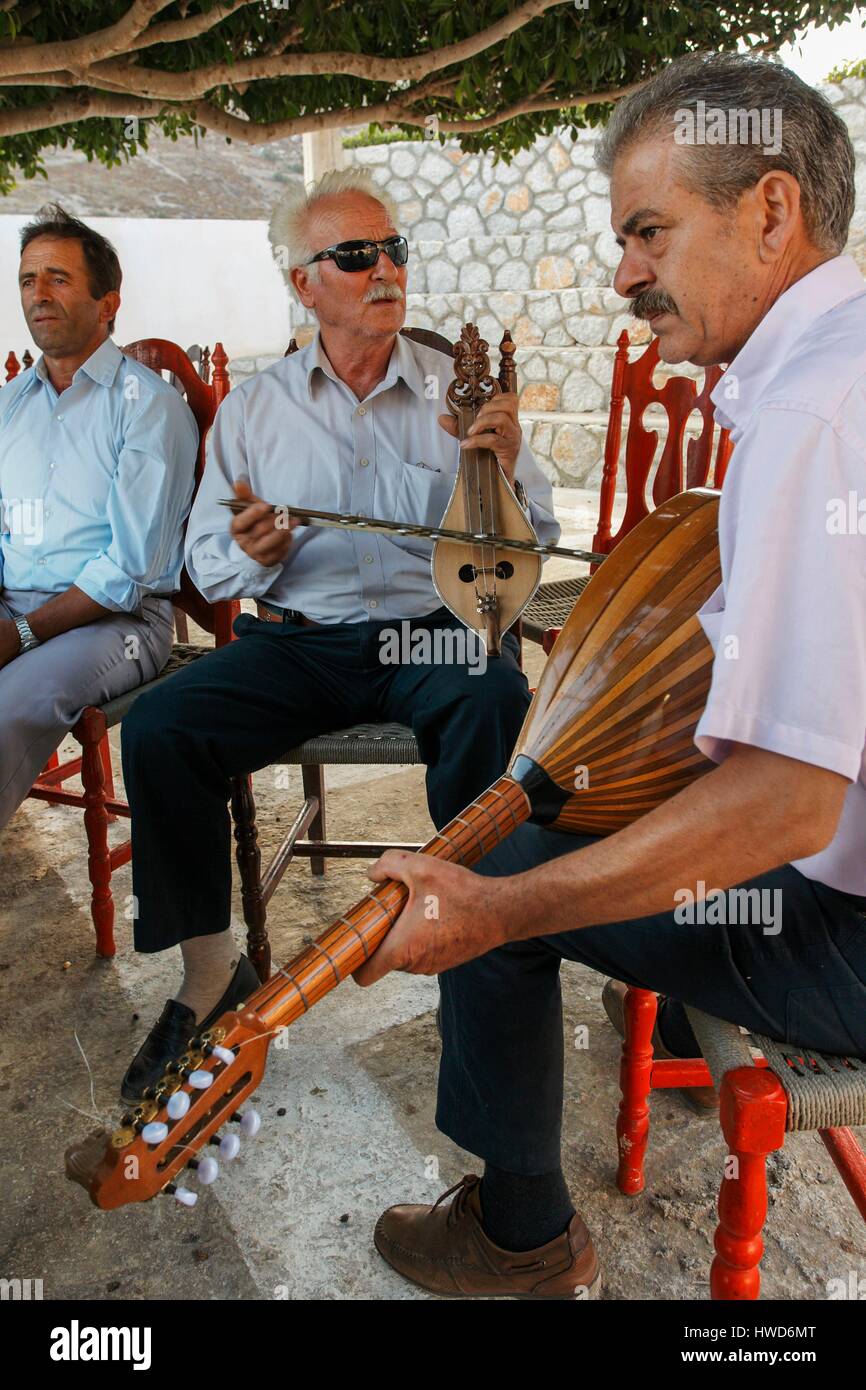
242, 707
501, 1074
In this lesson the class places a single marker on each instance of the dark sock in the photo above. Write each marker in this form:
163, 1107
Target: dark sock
675, 1030
521, 1212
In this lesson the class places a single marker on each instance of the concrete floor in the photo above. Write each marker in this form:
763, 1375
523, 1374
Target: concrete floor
348, 1107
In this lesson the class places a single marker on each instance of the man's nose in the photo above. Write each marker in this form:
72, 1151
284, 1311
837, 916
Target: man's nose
632, 275
41, 292
384, 269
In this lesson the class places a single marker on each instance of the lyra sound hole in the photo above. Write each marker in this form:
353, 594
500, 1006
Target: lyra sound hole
469, 573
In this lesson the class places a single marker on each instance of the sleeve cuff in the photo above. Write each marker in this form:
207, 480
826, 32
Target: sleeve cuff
719, 726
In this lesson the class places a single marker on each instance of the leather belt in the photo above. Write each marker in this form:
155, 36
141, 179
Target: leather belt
283, 615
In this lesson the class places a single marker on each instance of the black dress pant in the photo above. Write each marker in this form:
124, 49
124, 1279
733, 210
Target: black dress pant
801, 979
238, 709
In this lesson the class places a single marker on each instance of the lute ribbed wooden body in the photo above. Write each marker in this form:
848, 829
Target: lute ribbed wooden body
627, 680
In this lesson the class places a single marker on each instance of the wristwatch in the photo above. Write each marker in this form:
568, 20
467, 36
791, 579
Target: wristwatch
520, 494
27, 635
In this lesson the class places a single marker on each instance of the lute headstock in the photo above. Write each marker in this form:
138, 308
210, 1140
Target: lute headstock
178, 1118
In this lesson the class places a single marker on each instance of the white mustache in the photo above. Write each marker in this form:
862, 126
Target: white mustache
382, 292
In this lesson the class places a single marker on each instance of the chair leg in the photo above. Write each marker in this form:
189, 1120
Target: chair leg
249, 862
108, 770
632, 1126
90, 732
752, 1111
313, 775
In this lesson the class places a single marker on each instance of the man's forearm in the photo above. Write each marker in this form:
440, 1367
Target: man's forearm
756, 811
73, 608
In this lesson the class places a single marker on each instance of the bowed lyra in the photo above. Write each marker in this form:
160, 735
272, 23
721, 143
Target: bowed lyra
485, 586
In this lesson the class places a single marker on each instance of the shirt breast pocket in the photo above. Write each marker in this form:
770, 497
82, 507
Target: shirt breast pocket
421, 496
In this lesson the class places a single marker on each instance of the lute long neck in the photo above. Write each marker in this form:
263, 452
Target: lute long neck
352, 938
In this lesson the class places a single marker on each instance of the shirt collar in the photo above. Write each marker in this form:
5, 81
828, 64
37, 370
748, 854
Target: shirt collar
101, 366
402, 365
738, 391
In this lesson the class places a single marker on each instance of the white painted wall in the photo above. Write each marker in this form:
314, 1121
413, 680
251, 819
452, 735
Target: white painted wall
190, 281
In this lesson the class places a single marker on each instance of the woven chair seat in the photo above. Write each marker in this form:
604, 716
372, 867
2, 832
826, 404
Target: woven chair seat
823, 1092
551, 606
182, 654
363, 743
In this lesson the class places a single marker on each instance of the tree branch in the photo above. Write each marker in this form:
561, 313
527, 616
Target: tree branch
174, 30
76, 54
75, 108
368, 67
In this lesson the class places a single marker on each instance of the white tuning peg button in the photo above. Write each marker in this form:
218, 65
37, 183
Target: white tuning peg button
229, 1146
177, 1105
200, 1080
224, 1054
185, 1197
208, 1170
155, 1132
251, 1123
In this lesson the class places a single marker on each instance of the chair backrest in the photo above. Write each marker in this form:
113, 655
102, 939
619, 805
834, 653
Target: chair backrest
203, 399
679, 467
13, 366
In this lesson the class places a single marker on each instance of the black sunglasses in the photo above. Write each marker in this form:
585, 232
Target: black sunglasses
361, 255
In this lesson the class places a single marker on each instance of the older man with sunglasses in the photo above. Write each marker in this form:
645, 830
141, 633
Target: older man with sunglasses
350, 424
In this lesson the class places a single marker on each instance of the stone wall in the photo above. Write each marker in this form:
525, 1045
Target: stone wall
528, 246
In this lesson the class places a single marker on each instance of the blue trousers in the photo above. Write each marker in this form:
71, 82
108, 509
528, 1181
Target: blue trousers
501, 1074
238, 709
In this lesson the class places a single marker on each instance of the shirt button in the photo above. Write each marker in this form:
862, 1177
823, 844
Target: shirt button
373, 602
364, 462
368, 559
362, 410
52, 466
42, 562
47, 511
59, 417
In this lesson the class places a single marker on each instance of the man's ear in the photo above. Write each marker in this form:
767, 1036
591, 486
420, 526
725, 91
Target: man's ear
301, 281
108, 306
778, 204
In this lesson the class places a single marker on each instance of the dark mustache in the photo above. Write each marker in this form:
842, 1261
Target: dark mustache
651, 302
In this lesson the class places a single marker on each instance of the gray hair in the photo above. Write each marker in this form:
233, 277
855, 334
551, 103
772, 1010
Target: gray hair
288, 229
815, 146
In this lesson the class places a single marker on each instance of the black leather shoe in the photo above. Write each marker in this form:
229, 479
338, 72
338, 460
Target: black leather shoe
173, 1029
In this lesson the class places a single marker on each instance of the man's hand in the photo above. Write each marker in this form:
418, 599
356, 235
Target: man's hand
452, 916
255, 529
497, 428
10, 641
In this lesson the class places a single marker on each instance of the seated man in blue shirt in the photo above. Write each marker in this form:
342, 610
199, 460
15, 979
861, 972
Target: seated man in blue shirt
350, 423
97, 464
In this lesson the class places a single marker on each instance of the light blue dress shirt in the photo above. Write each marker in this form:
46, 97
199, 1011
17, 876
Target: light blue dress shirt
95, 482
301, 437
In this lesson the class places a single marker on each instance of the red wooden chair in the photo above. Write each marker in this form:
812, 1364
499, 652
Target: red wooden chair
13, 366
650, 480
98, 800
785, 1089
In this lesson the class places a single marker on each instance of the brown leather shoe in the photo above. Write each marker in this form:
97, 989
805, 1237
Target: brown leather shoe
444, 1249
700, 1099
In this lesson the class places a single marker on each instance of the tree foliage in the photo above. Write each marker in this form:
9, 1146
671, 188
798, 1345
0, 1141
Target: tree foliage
95, 74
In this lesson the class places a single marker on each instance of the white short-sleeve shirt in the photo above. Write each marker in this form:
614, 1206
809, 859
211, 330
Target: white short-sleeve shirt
788, 622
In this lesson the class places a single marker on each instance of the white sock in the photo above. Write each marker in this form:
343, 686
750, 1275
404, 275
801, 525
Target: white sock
209, 962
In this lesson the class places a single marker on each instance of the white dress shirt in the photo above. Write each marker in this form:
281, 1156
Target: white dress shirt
301, 437
95, 482
788, 622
